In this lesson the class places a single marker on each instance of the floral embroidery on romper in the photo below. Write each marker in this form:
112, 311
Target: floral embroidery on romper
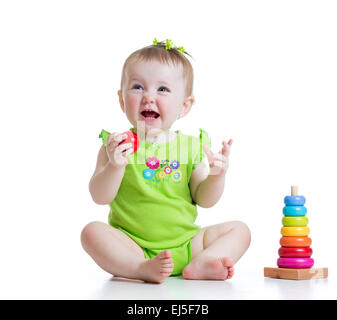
158, 171
152, 162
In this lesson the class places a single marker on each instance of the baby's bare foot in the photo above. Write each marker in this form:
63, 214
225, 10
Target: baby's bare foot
209, 269
158, 268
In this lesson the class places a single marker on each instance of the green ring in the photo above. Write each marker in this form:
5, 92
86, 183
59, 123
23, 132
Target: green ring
295, 221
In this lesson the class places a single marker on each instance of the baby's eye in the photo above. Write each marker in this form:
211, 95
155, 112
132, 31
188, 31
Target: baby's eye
163, 89
137, 87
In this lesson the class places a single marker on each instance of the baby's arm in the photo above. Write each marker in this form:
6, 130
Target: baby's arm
110, 168
206, 185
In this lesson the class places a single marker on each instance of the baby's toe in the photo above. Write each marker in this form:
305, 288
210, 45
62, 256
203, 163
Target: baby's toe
166, 269
227, 262
230, 272
166, 261
166, 254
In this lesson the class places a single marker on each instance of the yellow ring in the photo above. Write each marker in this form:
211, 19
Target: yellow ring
295, 231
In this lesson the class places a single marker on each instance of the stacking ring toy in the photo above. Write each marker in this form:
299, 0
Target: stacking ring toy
294, 211
284, 252
295, 242
294, 200
295, 263
295, 221
295, 231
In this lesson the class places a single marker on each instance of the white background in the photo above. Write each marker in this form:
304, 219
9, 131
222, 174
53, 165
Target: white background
265, 75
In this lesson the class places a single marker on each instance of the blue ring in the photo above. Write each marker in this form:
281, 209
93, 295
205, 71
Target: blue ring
294, 200
294, 211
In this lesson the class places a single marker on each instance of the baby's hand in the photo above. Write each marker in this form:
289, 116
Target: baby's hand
117, 153
218, 162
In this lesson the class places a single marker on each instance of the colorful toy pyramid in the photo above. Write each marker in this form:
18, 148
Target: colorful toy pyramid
295, 260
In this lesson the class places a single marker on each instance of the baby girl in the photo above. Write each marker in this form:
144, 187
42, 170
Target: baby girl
153, 192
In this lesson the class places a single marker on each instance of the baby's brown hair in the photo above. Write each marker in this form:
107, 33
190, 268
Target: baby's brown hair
159, 53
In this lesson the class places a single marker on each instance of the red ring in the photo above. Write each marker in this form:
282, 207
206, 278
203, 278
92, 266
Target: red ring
285, 252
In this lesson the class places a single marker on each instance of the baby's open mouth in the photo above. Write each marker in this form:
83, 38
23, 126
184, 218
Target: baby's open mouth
150, 114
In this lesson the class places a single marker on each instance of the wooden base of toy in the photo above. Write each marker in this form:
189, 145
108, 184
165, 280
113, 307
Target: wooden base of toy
296, 274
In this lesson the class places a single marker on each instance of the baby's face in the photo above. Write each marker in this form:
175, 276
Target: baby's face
154, 93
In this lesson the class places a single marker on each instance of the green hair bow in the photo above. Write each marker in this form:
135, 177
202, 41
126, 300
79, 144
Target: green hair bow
169, 45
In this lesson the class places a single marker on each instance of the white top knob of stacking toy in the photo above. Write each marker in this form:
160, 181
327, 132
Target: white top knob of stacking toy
294, 190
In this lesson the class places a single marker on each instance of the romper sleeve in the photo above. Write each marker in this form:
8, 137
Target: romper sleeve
198, 153
103, 135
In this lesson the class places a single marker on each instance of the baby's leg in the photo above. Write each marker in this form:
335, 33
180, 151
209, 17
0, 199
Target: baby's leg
119, 255
215, 249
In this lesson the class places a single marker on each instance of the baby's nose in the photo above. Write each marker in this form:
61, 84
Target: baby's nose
148, 98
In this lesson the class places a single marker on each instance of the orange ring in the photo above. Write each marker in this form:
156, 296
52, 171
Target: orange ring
295, 242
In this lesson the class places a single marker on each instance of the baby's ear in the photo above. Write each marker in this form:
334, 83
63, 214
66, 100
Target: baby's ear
187, 106
121, 101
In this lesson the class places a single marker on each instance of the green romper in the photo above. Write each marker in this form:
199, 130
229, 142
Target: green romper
153, 205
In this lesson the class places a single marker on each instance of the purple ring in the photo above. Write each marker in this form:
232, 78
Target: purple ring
295, 263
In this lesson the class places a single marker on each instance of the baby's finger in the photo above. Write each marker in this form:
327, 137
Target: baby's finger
110, 138
226, 148
121, 156
220, 164
121, 137
116, 138
122, 147
230, 142
127, 152
219, 156
112, 144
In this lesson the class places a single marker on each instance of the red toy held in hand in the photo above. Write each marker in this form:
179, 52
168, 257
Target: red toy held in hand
132, 138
